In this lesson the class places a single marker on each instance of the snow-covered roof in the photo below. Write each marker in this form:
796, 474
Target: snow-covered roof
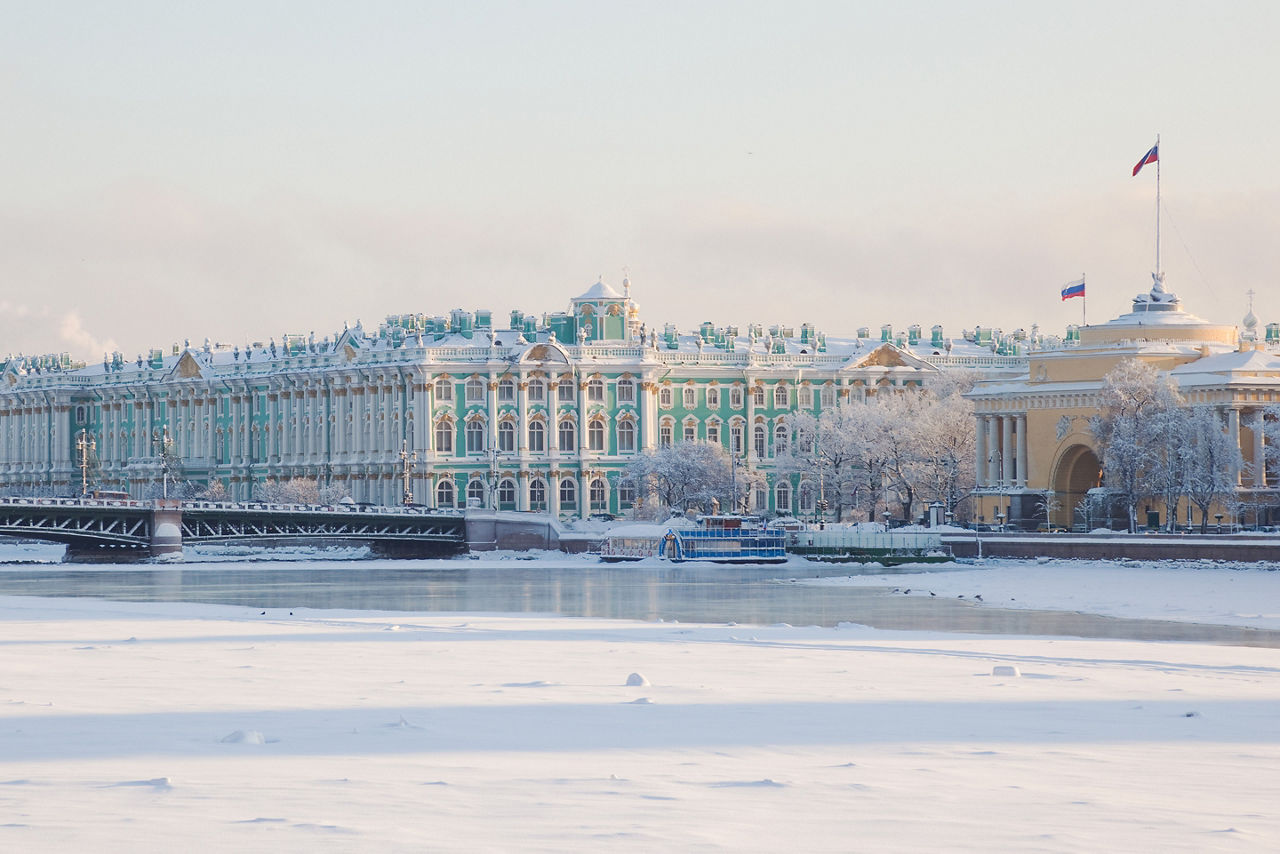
599, 291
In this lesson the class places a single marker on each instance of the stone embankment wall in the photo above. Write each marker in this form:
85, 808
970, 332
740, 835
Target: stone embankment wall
1241, 547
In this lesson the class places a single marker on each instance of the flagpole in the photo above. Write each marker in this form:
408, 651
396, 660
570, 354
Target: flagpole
1158, 204
1084, 304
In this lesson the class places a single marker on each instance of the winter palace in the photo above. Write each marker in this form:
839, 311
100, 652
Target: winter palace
541, 415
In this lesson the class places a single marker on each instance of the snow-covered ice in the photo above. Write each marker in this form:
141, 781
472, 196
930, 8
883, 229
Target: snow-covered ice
149, 727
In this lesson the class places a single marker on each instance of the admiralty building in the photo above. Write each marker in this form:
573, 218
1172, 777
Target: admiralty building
540, 415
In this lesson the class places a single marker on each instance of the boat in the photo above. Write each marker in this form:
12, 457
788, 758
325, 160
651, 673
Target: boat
726, 539
633, 542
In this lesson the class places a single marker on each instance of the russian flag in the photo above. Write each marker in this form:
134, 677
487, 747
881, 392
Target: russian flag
1150, 157
1076, 288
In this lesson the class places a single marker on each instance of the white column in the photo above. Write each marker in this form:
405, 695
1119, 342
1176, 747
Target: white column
1233, 431
993, 450
1006, 450
1022, 451
1259, 451
980, 450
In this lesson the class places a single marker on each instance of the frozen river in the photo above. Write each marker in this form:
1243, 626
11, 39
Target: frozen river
764, 595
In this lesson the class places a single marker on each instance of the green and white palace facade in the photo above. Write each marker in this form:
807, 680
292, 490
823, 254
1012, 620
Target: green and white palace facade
543, 415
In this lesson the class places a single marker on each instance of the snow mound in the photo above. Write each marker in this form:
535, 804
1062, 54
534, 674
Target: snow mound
641, 701
637, 680
241, 736
1005, 670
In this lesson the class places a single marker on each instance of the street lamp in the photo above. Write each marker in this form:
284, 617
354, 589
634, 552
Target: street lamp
86, 445
408, 461
160, 439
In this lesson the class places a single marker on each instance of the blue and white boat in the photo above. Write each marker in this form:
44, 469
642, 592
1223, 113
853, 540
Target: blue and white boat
726, 539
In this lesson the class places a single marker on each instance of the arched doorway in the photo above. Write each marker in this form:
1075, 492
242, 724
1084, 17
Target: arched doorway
1078, 471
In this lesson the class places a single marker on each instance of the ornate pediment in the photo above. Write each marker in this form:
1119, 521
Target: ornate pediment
889, 356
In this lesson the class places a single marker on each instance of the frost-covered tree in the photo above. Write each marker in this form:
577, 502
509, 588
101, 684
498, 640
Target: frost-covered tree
298, 490
689, 474
1213, 459
1132, 403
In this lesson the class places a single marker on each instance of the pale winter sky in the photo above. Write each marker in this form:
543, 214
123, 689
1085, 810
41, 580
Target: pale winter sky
241, 170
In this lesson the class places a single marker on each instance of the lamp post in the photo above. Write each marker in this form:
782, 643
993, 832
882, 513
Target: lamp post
86, 445
407, 461
160, 439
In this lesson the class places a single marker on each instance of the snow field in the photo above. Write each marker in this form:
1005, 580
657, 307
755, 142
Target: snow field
410, 732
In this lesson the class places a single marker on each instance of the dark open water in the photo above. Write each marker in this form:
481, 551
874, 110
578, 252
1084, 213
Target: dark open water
752, 595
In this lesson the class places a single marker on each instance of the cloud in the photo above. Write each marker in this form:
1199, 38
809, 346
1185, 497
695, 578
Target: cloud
79, 340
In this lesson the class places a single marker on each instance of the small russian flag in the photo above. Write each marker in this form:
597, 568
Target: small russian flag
1073, 289
1150, 157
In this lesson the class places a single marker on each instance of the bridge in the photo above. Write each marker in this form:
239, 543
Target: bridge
163, 526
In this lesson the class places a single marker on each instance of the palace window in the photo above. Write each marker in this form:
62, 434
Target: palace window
758, 440
444, 436
595, 435
760, 499
735, 439
690, 397
664, 397
713, 398
805, 397
537, 437
564, 391
735, 397
780, 440
568, 437
475, 390
806, 497
444, 494
757, 395
475, 491
828, 396
626, 436
599, 494
506, 437
507, 390
537, 494
568, 494
780, 396
626, 391
444, 390
782, 497
536, 390
664, 434
626, 494
475, 437
595, 391
507, 492
713, 432
691, 431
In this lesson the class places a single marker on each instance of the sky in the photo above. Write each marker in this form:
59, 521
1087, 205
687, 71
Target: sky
238, 171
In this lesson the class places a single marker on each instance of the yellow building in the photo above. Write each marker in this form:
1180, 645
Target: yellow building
1036, 458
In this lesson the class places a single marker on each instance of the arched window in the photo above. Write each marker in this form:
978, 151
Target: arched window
626, 437
735, 439
805, 397
780, 396
760, 499
444, 389
475, 437
595, 391
568, 494
758, 440
735, 397
690, 397
757, 392
537, 437
713, 398
664, 397
599, 494
782, 497
568, 437
507, 390
475, 390
536, 390
595, 435
506, 493
780, 440
806, 497
665, 434
444, 436
475, 492
444, 494
537, 494
506, 437
828, 396
565, 389
626, 391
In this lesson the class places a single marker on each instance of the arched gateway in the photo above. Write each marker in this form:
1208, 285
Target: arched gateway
1077, 471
